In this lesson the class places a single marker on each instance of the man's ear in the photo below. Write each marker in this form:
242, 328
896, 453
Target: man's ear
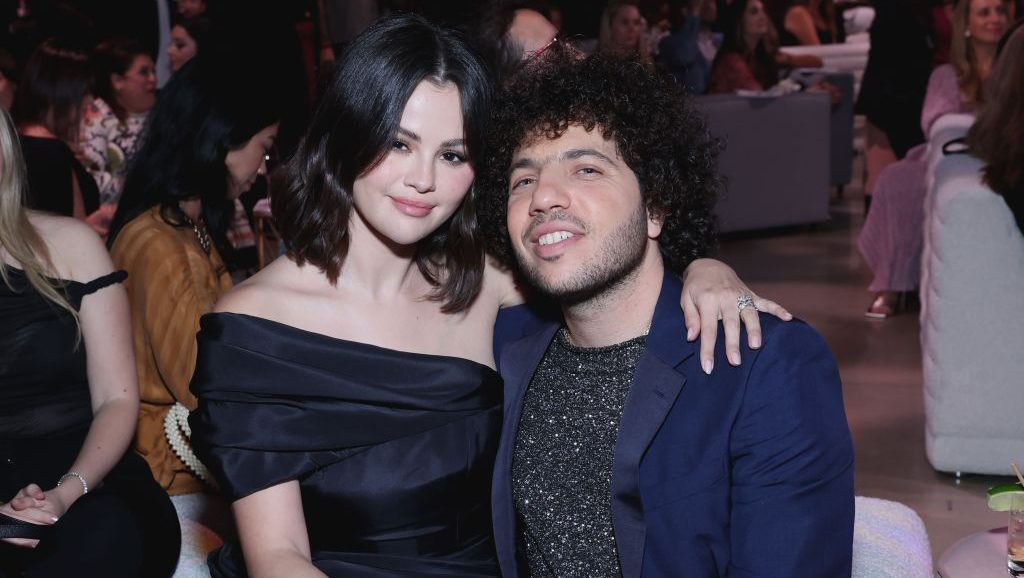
655, 221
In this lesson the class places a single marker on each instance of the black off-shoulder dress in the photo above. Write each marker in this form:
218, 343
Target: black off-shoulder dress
393, 451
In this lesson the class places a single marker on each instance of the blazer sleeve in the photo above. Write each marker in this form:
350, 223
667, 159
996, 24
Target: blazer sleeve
792, 463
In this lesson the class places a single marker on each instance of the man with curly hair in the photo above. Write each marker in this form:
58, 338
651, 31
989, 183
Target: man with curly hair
619, 455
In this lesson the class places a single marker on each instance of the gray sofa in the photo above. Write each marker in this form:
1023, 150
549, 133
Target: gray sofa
776, 159
971, 280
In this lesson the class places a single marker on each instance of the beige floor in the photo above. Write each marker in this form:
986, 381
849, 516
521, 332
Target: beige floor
818, 274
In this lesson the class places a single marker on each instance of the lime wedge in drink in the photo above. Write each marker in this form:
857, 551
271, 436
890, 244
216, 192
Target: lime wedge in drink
1006, 497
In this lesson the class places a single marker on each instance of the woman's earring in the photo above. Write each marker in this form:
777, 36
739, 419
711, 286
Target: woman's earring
967, 34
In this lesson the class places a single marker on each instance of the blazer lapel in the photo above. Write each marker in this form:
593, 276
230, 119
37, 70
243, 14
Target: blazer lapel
655, 387
519, 362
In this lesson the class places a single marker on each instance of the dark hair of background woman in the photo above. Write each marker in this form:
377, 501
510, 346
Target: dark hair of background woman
761, 58
114, 56
198, 27
352, 131
56, 79
503, 54
210, 107
997, 136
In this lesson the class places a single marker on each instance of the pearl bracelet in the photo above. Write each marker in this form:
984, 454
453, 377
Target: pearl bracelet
81, 478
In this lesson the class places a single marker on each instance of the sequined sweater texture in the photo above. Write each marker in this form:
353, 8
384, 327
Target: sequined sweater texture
562, 465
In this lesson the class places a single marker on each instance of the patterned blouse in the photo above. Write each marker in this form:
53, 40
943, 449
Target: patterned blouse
106, 145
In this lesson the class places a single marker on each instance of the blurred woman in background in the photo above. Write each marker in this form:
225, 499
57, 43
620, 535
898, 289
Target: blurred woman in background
53, 93
207, 142
124, 90
892, 238
623, 31
74, 499
187, 37
750, 58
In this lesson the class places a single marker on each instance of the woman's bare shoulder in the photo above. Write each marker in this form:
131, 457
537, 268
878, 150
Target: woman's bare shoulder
76, 251
275, 286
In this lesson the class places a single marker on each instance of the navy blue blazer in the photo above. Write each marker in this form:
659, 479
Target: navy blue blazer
746, 472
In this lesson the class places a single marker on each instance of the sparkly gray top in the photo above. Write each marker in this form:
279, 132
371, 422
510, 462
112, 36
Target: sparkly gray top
562, 465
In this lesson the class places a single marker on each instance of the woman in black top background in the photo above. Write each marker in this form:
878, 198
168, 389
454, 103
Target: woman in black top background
73, 499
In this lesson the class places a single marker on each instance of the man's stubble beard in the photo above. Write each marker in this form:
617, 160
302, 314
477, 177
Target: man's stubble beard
617, 261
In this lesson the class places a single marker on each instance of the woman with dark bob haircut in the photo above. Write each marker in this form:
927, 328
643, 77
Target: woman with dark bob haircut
348, 402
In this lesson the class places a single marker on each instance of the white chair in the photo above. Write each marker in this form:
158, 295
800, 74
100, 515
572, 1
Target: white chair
205, 519
889, 541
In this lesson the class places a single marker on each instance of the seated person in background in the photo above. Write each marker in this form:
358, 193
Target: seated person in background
997, 136
750, 58
187, 37
207, 143
688, 51
893, 235
597, 205
510, 33
805, 22
125, 90
624, 32
55, 89
68, 403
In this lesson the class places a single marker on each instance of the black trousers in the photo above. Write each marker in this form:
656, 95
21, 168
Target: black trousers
127, 527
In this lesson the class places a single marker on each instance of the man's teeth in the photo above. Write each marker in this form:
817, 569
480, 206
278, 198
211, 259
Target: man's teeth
552, 238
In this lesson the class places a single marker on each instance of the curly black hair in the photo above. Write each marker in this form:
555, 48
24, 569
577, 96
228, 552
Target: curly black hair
662, 138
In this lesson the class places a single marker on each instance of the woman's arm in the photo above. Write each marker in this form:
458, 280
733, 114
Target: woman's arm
800, 23
113, 389
272, 529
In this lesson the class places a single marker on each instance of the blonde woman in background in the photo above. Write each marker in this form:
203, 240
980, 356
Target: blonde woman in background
892, 238
623, 31
76, 497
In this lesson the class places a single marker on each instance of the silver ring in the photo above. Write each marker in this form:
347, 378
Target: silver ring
744, 301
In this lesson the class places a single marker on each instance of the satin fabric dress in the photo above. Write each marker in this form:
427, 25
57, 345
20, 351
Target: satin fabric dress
393, 451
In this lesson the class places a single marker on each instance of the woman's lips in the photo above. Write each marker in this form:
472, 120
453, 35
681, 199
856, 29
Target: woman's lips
412, 208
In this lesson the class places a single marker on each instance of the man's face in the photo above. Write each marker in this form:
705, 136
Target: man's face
576, 218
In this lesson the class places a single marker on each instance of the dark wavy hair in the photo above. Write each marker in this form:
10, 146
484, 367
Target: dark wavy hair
659, 135
114, 56
997, 136
209, 108
52, 87
351, 133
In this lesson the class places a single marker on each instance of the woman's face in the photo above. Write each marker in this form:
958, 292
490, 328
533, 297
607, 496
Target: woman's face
425, 174
248, 161
627, 27
987, 21
181, 49
136, 89
755, 21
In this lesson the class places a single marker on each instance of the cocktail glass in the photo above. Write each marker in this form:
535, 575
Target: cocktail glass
1015, 541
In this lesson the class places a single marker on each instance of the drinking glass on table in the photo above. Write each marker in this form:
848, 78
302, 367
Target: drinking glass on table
1015, 541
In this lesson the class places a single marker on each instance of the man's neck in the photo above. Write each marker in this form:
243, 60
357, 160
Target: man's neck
622, 312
